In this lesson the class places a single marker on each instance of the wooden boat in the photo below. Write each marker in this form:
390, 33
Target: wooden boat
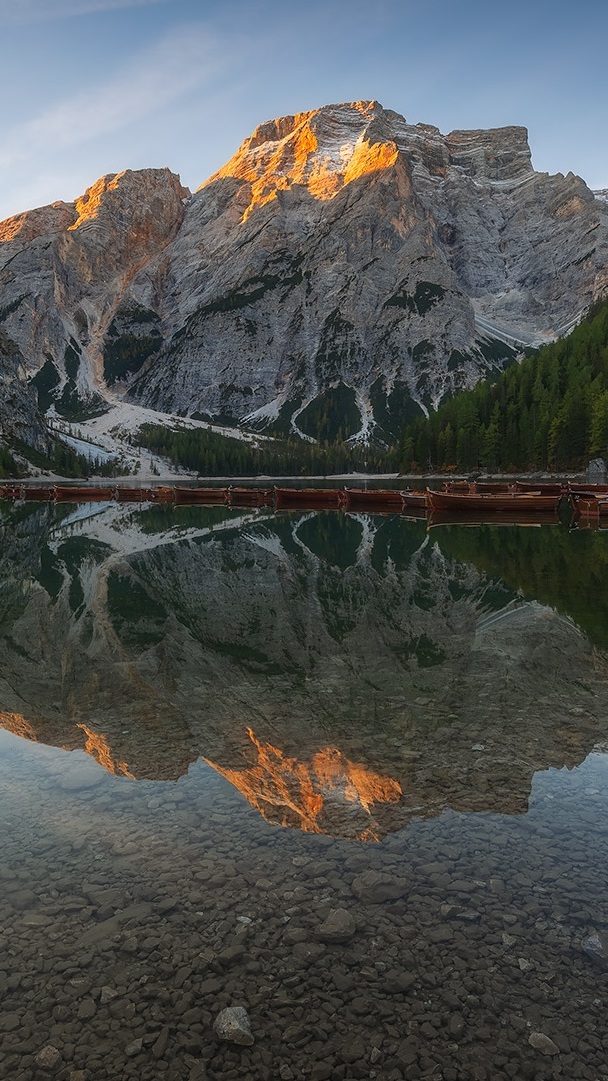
545, 488
203, 496
41, 493
309, 497
135, 495
493, 502
370, 498
250, 497
489, 486
484, 486
412, 498
81, 493
11, 491
164, 494
590, 506
588, 489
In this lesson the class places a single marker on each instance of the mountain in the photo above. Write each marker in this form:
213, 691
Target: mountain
343, 270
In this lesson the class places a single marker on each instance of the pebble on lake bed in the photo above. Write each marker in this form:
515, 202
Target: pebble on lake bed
596, 947
375, 887
543, 1043
339, 926
232, 1025
48, 1058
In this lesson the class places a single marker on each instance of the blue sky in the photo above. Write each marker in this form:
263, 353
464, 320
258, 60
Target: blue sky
89, 87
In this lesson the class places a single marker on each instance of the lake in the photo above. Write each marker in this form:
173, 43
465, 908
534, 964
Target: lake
345, 772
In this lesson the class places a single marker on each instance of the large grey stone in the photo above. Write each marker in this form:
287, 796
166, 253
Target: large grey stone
232, 1024
378, 886
339, 926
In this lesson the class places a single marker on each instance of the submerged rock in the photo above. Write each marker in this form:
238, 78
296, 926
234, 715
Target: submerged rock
543, 1043
48, 1058
377, 886
596, 947
232, 1025
339, 926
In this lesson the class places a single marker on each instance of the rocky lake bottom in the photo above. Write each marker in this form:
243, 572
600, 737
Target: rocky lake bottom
341, 776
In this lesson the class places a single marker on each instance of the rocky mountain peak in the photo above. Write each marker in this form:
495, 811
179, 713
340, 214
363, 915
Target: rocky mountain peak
28, 226
322, 150
342, 271
64, 269
145, 200
497, 154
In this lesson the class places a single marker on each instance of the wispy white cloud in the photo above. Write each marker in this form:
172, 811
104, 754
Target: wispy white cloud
28, 11
188, 59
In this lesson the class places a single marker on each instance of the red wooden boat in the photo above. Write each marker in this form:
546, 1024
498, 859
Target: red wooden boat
369, 498
41, 493
81, 493
489, 486
590, 506
135, 495
309, 497
588, 489
413, 498
202, 496
250, 497
493, 502
484, 486
551, 488
11, 491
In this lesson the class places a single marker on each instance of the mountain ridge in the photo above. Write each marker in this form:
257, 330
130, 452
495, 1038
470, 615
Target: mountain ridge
342, 263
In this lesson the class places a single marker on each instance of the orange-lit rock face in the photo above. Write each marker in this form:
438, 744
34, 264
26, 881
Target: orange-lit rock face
34, 223
292, 793
294, 152
97, 746
17, 724
87, 207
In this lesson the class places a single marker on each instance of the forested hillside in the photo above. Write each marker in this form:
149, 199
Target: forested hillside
549, 412
213, 455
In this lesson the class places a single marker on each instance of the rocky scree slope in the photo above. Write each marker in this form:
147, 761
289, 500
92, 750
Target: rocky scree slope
342, 270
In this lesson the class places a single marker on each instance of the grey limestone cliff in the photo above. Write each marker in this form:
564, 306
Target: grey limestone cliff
20, 421
343, 270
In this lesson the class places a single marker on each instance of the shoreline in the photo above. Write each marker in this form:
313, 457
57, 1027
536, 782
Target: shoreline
153, 480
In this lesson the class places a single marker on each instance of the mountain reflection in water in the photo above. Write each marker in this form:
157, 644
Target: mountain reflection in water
344, 672
307, 795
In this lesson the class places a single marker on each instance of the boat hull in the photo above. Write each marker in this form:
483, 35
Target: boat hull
81, 494
11, 491
203, 496
250, 497
413, 499
368, 499
41, 494
493, 503
590, 506
309, 497
544, 487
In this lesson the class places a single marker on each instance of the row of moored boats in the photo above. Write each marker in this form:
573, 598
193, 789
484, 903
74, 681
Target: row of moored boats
455, 497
